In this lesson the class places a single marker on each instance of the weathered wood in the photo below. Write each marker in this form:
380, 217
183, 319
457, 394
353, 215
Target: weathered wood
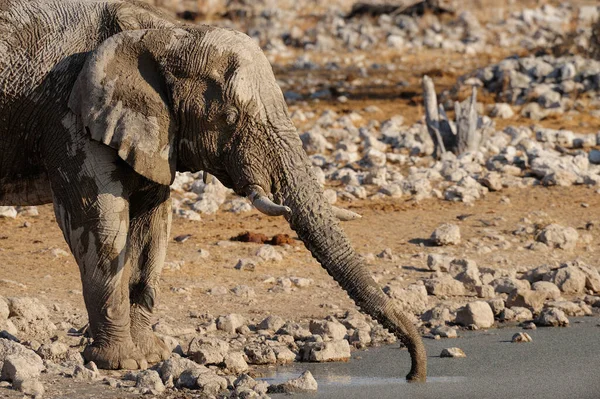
446, 130
469, 136
432, 116
469, 133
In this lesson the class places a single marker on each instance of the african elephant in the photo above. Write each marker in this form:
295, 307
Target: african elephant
101, 102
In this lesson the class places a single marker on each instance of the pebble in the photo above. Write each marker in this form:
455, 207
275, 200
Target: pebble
446, 234
305, 383
477, 313
452, 352
521, 337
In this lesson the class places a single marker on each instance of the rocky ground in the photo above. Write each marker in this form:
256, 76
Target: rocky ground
505, 235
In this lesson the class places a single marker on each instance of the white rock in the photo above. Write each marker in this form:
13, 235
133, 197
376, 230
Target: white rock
210, 383
329, 330
446, 234
32, 387
502, 111
32, 364
439, 262
444, 285
330, 351
174, 366
269, 253
557, 236
452, 352
301, 282
521, 337
552, 317
20, 368
31, 309
445, 332
235, 362
207, 351
569, 279
305, 383
478, 313
8, 212
465, 271
549, 289
230, 323
150, 380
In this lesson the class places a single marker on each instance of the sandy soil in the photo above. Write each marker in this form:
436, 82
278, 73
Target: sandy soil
30, 267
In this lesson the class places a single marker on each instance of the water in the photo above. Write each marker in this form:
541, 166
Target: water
559, 363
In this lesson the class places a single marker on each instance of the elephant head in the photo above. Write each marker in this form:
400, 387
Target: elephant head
201, 98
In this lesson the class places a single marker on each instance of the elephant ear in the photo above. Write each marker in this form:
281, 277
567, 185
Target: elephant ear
123, 100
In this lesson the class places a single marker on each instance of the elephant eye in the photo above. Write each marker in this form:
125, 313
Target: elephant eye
231, 116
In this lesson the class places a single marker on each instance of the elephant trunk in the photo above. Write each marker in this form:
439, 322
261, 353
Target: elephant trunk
313, 218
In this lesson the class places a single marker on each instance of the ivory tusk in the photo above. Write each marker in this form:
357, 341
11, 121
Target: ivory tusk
344, 214
261, 202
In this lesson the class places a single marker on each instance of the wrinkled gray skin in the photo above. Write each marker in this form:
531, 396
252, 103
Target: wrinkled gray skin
100, 104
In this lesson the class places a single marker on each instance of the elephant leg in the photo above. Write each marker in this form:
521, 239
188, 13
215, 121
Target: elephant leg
92, 208
149, 232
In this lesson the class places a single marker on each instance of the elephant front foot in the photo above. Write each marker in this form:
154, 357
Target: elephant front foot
115, 356
151, 347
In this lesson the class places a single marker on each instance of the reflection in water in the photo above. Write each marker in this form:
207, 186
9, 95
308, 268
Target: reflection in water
336, 380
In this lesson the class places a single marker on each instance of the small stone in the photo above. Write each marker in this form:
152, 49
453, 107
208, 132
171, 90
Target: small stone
32, 387
329, 330
31, 309
246, 264
557, 236
235, 362
301, 282
445, 332
529, 299
521, 337
549, 289
502, 111
269, 253
485, 291
497, 305
243, 291
17, 367
8, 212
529, 326
150, 379
465, 271
477, 313
173, 367
446, 234
439, 262
452, 352
506, 285
210, 383
570, 279
330, 351
230, 323
208, 350
552, 317
444, 285
305, 383
218, 290
272, 323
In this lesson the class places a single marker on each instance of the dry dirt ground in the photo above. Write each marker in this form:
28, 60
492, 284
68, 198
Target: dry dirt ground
30, 267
